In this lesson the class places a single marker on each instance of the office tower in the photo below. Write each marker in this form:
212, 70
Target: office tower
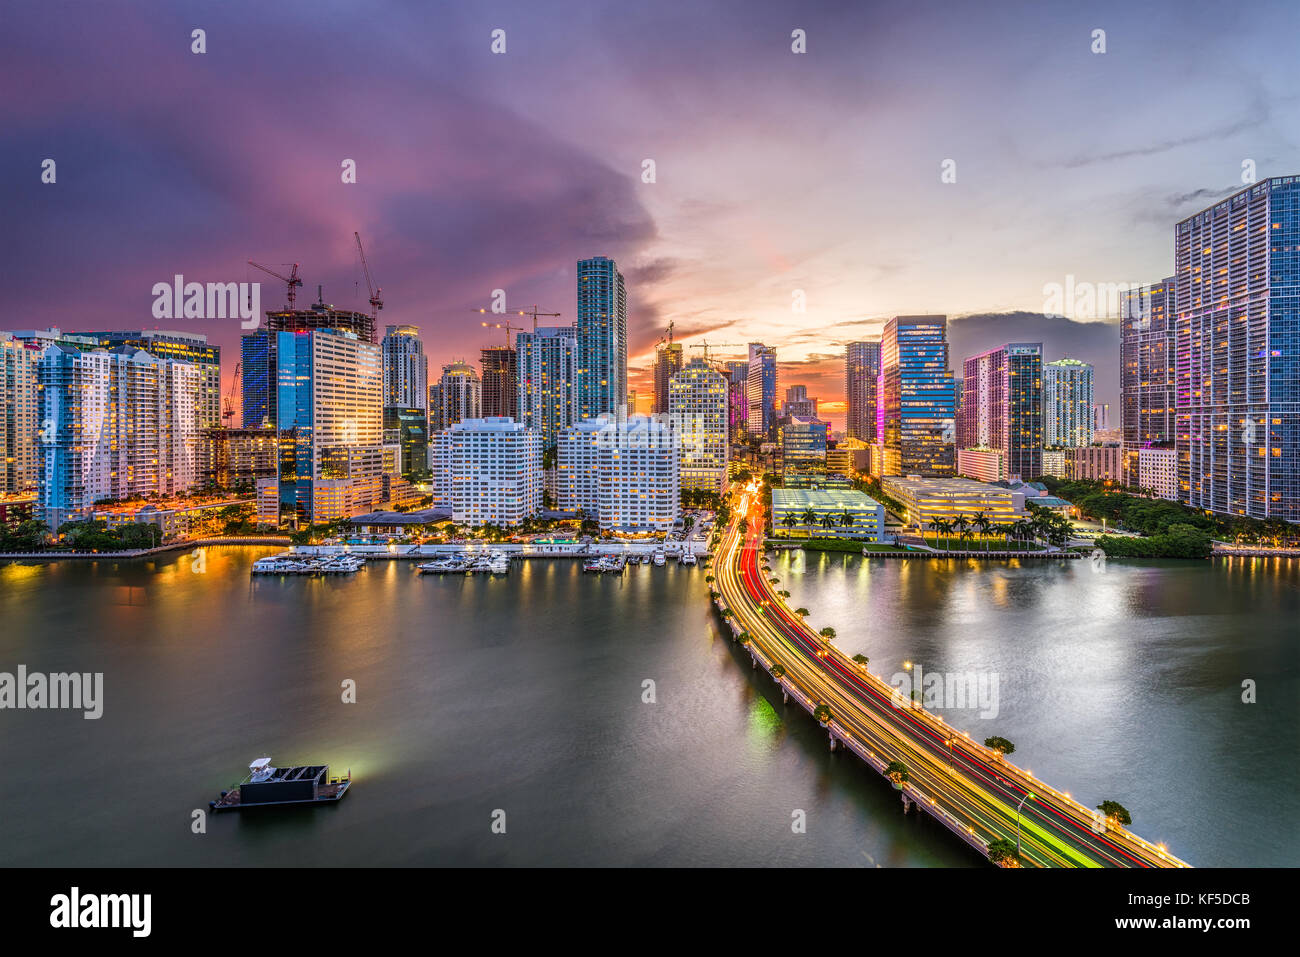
1002, 405
602, 337
116, 423
257, 388
622, 472
548, 370
1237, 353
697, 404
915, 421
1100, 415
488, 471
861, 370
737, 399
406, 368
19, 425
330, 401
236, 458
803, 445
500, 382
761, 391
412, 434
668, 361
1067, 403
460, 394
435, 408
797, 403
1146, 349
631, 401
181, 347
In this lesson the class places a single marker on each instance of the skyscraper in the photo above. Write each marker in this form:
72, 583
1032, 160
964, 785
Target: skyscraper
1067, 403
460, 393
761, 391
19, 424
115, 424
697, 402
330, 418
861, 371
916, 397
1146, 350
737, 399
548, 368
1002, 406
602, 337
500, 382
406, 368
668, 361
798, 403
1237, 353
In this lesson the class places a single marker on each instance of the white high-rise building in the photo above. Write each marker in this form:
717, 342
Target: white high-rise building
115, 424
635, 464
18, 422
460, 394
489, 471
697, 402
406, 368
1067, 403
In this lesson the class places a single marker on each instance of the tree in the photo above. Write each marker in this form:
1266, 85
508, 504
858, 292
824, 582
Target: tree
809, 517
1003, 853
1000, 745
828, 521
846, 519
828, 633
861, 660
822, 713
983, 523
778, 670
783, 593
1115, 812
896, 771
801, 612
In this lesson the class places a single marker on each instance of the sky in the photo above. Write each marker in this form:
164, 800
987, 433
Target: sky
780, 178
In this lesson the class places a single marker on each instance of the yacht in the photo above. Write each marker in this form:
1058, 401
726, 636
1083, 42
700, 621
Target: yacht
686, 558
659, 559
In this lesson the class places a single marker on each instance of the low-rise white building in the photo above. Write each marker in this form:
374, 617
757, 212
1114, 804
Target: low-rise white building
1157, 469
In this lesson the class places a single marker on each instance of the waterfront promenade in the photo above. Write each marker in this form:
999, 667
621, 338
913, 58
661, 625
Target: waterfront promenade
969, 788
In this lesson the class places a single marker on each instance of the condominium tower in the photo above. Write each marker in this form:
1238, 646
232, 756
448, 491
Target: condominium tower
548, 369
602, 337
1067, 404
697, 404
861, 374
406, 368
916, 397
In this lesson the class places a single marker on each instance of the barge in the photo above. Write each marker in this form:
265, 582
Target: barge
266, 786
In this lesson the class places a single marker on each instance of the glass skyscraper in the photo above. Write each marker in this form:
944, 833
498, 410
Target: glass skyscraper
761, 391
917, 397
1002, 406
1146, 353
602, 337
1237, 353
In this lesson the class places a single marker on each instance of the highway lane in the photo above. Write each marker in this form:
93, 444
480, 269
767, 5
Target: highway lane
965, 778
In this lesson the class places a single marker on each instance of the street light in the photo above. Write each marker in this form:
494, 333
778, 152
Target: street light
1028, 795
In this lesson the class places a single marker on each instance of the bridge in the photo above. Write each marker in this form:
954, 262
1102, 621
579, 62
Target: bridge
970, 789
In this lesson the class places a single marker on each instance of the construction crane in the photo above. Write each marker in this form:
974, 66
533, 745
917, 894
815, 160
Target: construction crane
228, 405
503, 325
706, 345
526, 312
376, 295
667, 338
292, 279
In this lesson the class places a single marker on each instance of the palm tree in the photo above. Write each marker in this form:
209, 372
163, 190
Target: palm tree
828, 521
790, 521
809, 517
828, 633
846, 519
962, 525
983, 523
896, 771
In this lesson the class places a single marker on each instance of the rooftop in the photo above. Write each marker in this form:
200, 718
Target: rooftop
815, 498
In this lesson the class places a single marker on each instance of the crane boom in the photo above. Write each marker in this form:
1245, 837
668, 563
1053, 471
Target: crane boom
292, 279
376, 295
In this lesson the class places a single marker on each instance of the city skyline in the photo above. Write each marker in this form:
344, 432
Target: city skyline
511, 190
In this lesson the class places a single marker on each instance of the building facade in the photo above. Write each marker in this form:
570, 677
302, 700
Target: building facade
1002, 406
760, 391
624, 473
1146, 348
803, 445
668, 362
406, 368
834, 513
697, 403
179, 347
602, 337
412, 428
861, 376
1067, 403
1237, 353
237, 458
488, 471
460, 394
19, 424
916, 418
116, 424
548, 374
